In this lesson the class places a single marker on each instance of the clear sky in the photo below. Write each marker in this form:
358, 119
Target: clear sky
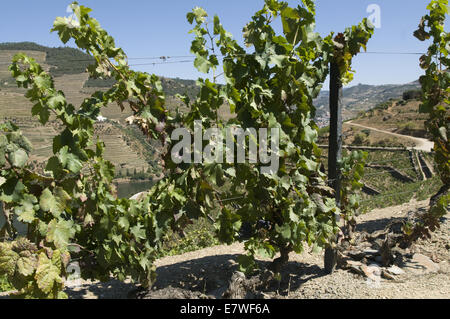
149, 28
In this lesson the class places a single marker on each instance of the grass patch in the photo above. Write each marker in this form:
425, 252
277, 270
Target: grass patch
199, 235
420, 190
393, 191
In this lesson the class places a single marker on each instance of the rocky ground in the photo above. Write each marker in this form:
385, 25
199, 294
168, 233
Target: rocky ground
422, 271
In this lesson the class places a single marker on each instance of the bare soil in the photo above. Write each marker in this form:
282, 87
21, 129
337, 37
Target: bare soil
206, 273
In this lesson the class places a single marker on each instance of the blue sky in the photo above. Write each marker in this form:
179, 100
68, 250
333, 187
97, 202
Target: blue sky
149, 28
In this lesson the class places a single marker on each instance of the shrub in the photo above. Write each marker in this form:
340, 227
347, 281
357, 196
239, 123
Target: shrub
360, 139
412, 95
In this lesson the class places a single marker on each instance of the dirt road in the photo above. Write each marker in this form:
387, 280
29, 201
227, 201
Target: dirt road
422, 144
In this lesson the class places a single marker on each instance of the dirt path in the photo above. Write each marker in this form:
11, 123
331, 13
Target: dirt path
422, 144
208, 270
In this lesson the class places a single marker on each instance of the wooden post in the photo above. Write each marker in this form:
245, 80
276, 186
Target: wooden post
335, 143
334, 150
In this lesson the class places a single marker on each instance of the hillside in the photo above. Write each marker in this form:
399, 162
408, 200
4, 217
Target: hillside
397, 174
125, 145
64, 61
360, 98
131, 152
395, 116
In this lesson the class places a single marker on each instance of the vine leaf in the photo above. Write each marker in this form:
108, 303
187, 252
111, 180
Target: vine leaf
59, 232
26, 265
54, 204
18, 158
25, 212
69, 160
202, 64
8, 259
47, 274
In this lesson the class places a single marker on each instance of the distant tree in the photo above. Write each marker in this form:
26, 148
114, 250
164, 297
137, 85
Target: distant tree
360, 139
412, 94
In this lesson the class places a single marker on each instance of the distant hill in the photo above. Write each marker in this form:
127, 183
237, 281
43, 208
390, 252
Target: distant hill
362, 97
400, 116
125, 146
170, 86
68, 66
65, 60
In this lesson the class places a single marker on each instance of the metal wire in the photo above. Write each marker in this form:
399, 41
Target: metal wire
168, 57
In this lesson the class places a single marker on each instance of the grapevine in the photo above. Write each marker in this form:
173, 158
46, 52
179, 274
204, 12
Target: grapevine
352, 171
72, 211
435, 101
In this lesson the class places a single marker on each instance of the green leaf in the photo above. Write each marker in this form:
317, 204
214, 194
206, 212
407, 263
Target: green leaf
202, 64
138, 231
284, 231
18, 158
25, 212
290, 19
54, 165
43, 82
55, 101
62, 198
199, 14
42, 112
316, 249
293, 216
56, 258
285, 182
231, 171
62, 295
123, 223
246, 263
60, 232
69, 160
74, 164
21, 78
47, 274
8, 259
48, 203
12, 190
266, 251
278, 60
310, 134
26, 265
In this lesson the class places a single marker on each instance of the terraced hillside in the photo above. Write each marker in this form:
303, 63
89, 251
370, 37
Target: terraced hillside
6, 81
121, 149
397, 116
130, 152
124, 147
391, 177
363, 97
